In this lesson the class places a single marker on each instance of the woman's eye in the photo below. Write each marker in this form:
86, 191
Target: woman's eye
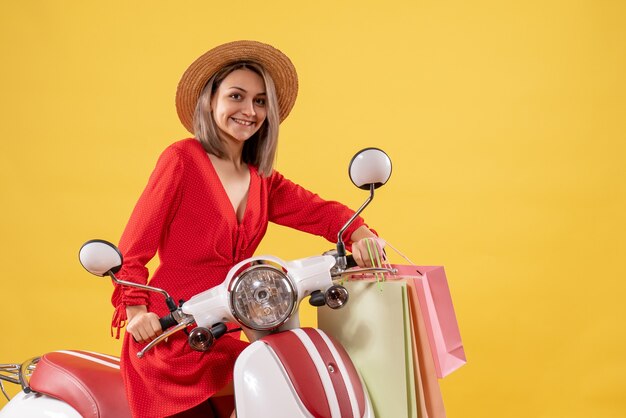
235, 96
260, 102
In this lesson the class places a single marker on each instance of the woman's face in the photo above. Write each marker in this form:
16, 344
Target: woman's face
238, 104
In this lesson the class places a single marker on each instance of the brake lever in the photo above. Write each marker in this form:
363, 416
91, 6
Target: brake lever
184, 324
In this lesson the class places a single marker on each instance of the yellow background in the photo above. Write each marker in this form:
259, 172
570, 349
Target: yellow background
505, 122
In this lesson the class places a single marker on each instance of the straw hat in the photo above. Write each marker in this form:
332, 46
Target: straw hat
277, 64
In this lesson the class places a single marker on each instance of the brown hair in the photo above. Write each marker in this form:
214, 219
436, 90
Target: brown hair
260, 149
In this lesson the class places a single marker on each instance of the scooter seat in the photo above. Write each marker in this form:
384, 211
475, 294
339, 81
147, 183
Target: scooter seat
90, 382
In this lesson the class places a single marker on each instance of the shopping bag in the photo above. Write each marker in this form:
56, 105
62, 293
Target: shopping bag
435, 303
375, 329
430, 401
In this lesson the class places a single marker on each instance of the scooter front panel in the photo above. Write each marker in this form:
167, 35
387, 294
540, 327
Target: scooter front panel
317, 371
262, 386
347, 381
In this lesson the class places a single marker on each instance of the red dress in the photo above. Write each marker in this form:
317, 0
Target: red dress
185, 214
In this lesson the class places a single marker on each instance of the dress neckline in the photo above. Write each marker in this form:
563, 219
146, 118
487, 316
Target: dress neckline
226, 200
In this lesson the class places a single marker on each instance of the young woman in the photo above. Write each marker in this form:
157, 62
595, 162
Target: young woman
206, 207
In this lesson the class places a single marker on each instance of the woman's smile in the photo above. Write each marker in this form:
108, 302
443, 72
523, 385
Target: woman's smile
243, 122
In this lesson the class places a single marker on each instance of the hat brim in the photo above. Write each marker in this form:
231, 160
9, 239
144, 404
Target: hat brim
277, 64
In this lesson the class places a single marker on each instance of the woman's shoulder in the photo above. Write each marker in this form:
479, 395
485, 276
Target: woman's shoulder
184, 149
187, 145
276, 181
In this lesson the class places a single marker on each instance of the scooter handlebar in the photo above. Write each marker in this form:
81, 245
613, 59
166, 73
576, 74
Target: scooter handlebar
350, 261
167, 321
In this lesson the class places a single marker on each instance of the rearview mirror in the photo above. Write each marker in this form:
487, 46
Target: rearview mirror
100, 257
369, 169
370, 166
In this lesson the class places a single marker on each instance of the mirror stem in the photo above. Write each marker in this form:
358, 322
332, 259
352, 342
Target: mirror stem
168, 299
341, 247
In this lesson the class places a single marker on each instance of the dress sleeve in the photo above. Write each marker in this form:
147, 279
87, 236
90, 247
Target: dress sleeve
141, 238
293, 206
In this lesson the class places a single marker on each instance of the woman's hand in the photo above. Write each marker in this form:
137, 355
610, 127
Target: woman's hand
144, 326
367, 248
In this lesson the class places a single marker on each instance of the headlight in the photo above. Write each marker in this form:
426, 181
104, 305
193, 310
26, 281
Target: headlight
262, 297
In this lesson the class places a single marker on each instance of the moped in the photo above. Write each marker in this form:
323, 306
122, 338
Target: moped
287, 371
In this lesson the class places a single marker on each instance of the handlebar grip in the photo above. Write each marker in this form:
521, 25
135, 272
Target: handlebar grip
350, 261
167, 321
317, 299
219, 329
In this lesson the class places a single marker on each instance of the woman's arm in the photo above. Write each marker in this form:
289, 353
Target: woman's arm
140, 241
292, 205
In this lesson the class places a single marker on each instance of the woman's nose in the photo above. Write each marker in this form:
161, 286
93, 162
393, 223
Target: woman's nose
248, 108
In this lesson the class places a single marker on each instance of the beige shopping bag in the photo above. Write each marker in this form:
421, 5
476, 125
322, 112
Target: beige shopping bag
375, 329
